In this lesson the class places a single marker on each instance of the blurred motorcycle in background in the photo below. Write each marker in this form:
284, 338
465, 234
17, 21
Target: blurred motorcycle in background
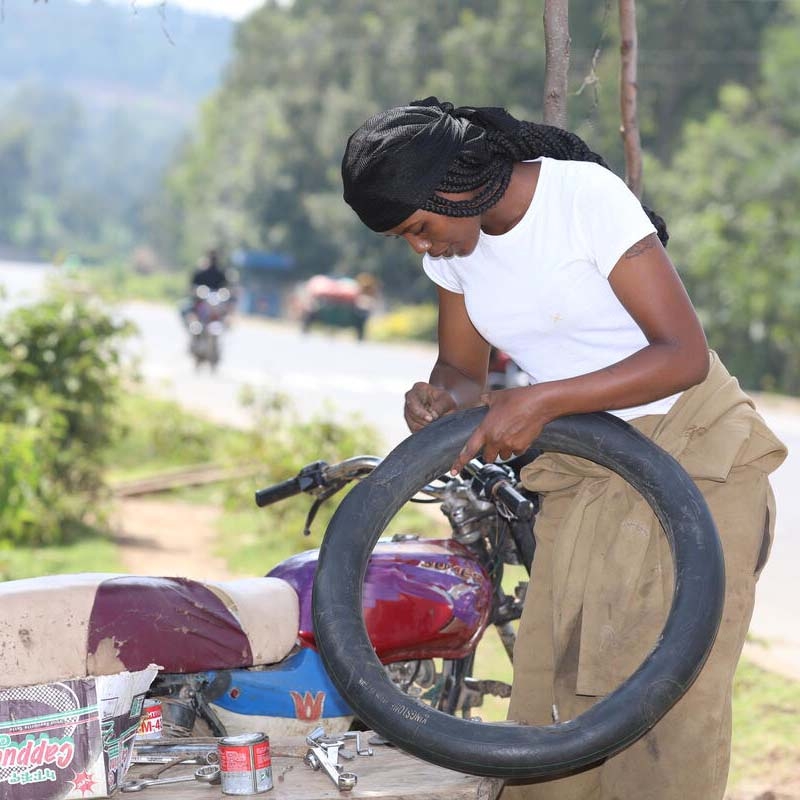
206, 321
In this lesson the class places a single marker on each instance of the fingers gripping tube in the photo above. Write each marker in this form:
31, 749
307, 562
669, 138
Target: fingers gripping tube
510, 750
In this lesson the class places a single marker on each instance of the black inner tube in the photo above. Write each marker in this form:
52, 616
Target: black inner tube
507, 750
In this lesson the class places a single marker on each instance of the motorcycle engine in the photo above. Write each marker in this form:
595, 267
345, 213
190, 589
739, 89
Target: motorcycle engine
412, 677
469, 516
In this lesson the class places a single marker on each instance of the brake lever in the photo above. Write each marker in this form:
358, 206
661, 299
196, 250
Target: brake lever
320, 498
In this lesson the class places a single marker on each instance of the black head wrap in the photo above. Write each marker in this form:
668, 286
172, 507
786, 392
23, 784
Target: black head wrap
397, 159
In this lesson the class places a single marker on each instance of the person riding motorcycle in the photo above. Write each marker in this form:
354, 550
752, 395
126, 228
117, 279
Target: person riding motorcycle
211, 274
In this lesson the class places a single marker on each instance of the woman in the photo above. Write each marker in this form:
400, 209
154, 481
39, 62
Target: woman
537, 248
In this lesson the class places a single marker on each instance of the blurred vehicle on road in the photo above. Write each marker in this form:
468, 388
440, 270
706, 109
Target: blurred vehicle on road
336, 302
504, 372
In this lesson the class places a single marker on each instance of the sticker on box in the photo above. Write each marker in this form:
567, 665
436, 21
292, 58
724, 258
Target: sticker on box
69, 739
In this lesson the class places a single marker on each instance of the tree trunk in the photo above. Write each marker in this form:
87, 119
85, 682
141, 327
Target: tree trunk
629, 128
557, 43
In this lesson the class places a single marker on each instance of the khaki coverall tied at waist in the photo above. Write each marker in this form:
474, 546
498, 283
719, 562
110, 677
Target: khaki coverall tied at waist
601, 588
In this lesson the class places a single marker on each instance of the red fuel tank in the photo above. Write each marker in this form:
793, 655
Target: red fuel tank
423, 598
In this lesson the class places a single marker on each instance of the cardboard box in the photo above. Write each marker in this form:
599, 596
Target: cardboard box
70, 739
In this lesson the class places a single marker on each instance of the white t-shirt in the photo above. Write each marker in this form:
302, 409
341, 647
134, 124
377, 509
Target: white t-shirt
541, 292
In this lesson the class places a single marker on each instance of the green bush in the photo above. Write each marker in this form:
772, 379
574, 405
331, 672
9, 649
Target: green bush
23, 484
60, 375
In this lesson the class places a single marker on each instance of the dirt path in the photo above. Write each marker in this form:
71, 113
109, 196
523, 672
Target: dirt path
159, 537
788, 789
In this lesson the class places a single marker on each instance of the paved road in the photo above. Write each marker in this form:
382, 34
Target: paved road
774, 618
339, 375
320, 372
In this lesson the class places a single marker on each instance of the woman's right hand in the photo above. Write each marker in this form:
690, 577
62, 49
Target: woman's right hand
426, 403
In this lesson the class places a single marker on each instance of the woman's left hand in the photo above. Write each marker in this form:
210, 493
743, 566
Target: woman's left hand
510, 426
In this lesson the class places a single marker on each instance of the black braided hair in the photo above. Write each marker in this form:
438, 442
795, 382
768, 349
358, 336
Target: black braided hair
509, 143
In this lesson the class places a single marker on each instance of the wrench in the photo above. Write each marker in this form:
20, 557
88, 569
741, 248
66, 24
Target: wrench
332, 745
317, 757
162, 768
365, 751
171, 753
209, 773
335, 745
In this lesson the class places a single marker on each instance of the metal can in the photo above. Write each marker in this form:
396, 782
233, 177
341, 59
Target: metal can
151, 722
245, 764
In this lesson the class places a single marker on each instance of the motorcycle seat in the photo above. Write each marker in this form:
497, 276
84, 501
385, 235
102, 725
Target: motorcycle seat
58, 627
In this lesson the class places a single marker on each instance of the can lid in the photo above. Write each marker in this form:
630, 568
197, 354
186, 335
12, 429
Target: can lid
244, 738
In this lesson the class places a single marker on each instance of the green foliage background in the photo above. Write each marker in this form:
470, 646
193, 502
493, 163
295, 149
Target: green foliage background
262, 169
94, 97
717, 108
60, 375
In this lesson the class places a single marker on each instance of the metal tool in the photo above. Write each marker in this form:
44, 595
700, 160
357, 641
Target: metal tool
332, 745
324, 754
197, 751
209, 773
211, 757
317, 758
335, 744
362, 751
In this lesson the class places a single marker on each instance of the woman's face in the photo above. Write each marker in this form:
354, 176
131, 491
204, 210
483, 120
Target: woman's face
437, 235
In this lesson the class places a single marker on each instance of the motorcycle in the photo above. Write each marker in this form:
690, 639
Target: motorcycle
427, 605
389, 641
206, 321
240, 656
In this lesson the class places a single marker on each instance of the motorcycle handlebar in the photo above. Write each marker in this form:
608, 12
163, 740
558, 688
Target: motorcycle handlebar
520, 506
317, 475
494, 481
320, 475
280, 491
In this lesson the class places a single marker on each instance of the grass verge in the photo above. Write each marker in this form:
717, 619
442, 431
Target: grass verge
766, 726
93, 551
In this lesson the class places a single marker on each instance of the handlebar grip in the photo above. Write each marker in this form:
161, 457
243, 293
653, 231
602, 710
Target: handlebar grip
520, 505
280, 491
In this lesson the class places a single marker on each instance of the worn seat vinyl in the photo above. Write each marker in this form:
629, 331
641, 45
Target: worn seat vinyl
71, 626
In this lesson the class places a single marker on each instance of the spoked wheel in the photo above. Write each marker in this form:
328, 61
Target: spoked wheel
455, 673
510, 750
